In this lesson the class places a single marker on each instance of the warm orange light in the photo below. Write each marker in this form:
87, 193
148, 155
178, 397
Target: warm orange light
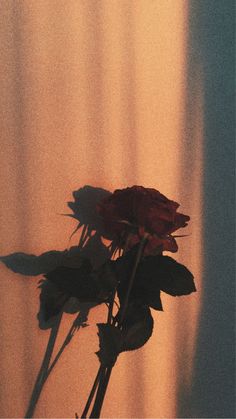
94, 92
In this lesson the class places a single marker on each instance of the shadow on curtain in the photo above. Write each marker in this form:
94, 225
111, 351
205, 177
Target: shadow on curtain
212, 392
78, 75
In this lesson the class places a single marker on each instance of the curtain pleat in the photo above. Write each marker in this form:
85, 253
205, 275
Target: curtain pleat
109, 94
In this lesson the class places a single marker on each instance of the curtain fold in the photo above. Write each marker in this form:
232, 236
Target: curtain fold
111, 94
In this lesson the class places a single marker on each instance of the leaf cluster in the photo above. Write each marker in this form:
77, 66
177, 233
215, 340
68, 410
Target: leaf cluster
154, 274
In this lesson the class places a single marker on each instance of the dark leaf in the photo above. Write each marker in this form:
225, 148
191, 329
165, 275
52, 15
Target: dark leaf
33, 265
95, 251
110, 341
52, 301
106, 280
75, 282
135, 331
142, 293
136, 328
154, 274
167, 274
123, 266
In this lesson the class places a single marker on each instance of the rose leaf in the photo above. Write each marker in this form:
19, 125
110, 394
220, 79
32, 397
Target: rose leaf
166, 274
106, 280
137, 327
142, 293
75, 282
52, 301
33, 265
110, 340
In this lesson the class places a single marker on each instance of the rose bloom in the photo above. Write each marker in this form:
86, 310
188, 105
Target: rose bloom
130, 213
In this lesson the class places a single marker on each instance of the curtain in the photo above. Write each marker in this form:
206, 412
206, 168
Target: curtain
113, 94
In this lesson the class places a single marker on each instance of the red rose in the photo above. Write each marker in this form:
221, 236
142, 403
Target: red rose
140, 210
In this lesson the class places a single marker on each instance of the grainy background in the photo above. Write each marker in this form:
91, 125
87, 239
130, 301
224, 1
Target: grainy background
114, 93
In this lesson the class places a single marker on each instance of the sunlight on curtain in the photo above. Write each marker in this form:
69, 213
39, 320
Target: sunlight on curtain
95, 92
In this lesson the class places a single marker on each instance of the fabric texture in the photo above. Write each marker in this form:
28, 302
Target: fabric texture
110, 94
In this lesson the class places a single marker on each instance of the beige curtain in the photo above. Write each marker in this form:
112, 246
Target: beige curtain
96, 93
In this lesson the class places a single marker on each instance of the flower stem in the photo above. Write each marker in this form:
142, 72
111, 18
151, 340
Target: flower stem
104, 373
95, 413
92, 392
131, 281
80, 319
110, 309
43, 370
101, 371
83, 236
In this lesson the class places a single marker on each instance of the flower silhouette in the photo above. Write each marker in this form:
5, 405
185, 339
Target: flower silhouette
84, 207
130, 213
